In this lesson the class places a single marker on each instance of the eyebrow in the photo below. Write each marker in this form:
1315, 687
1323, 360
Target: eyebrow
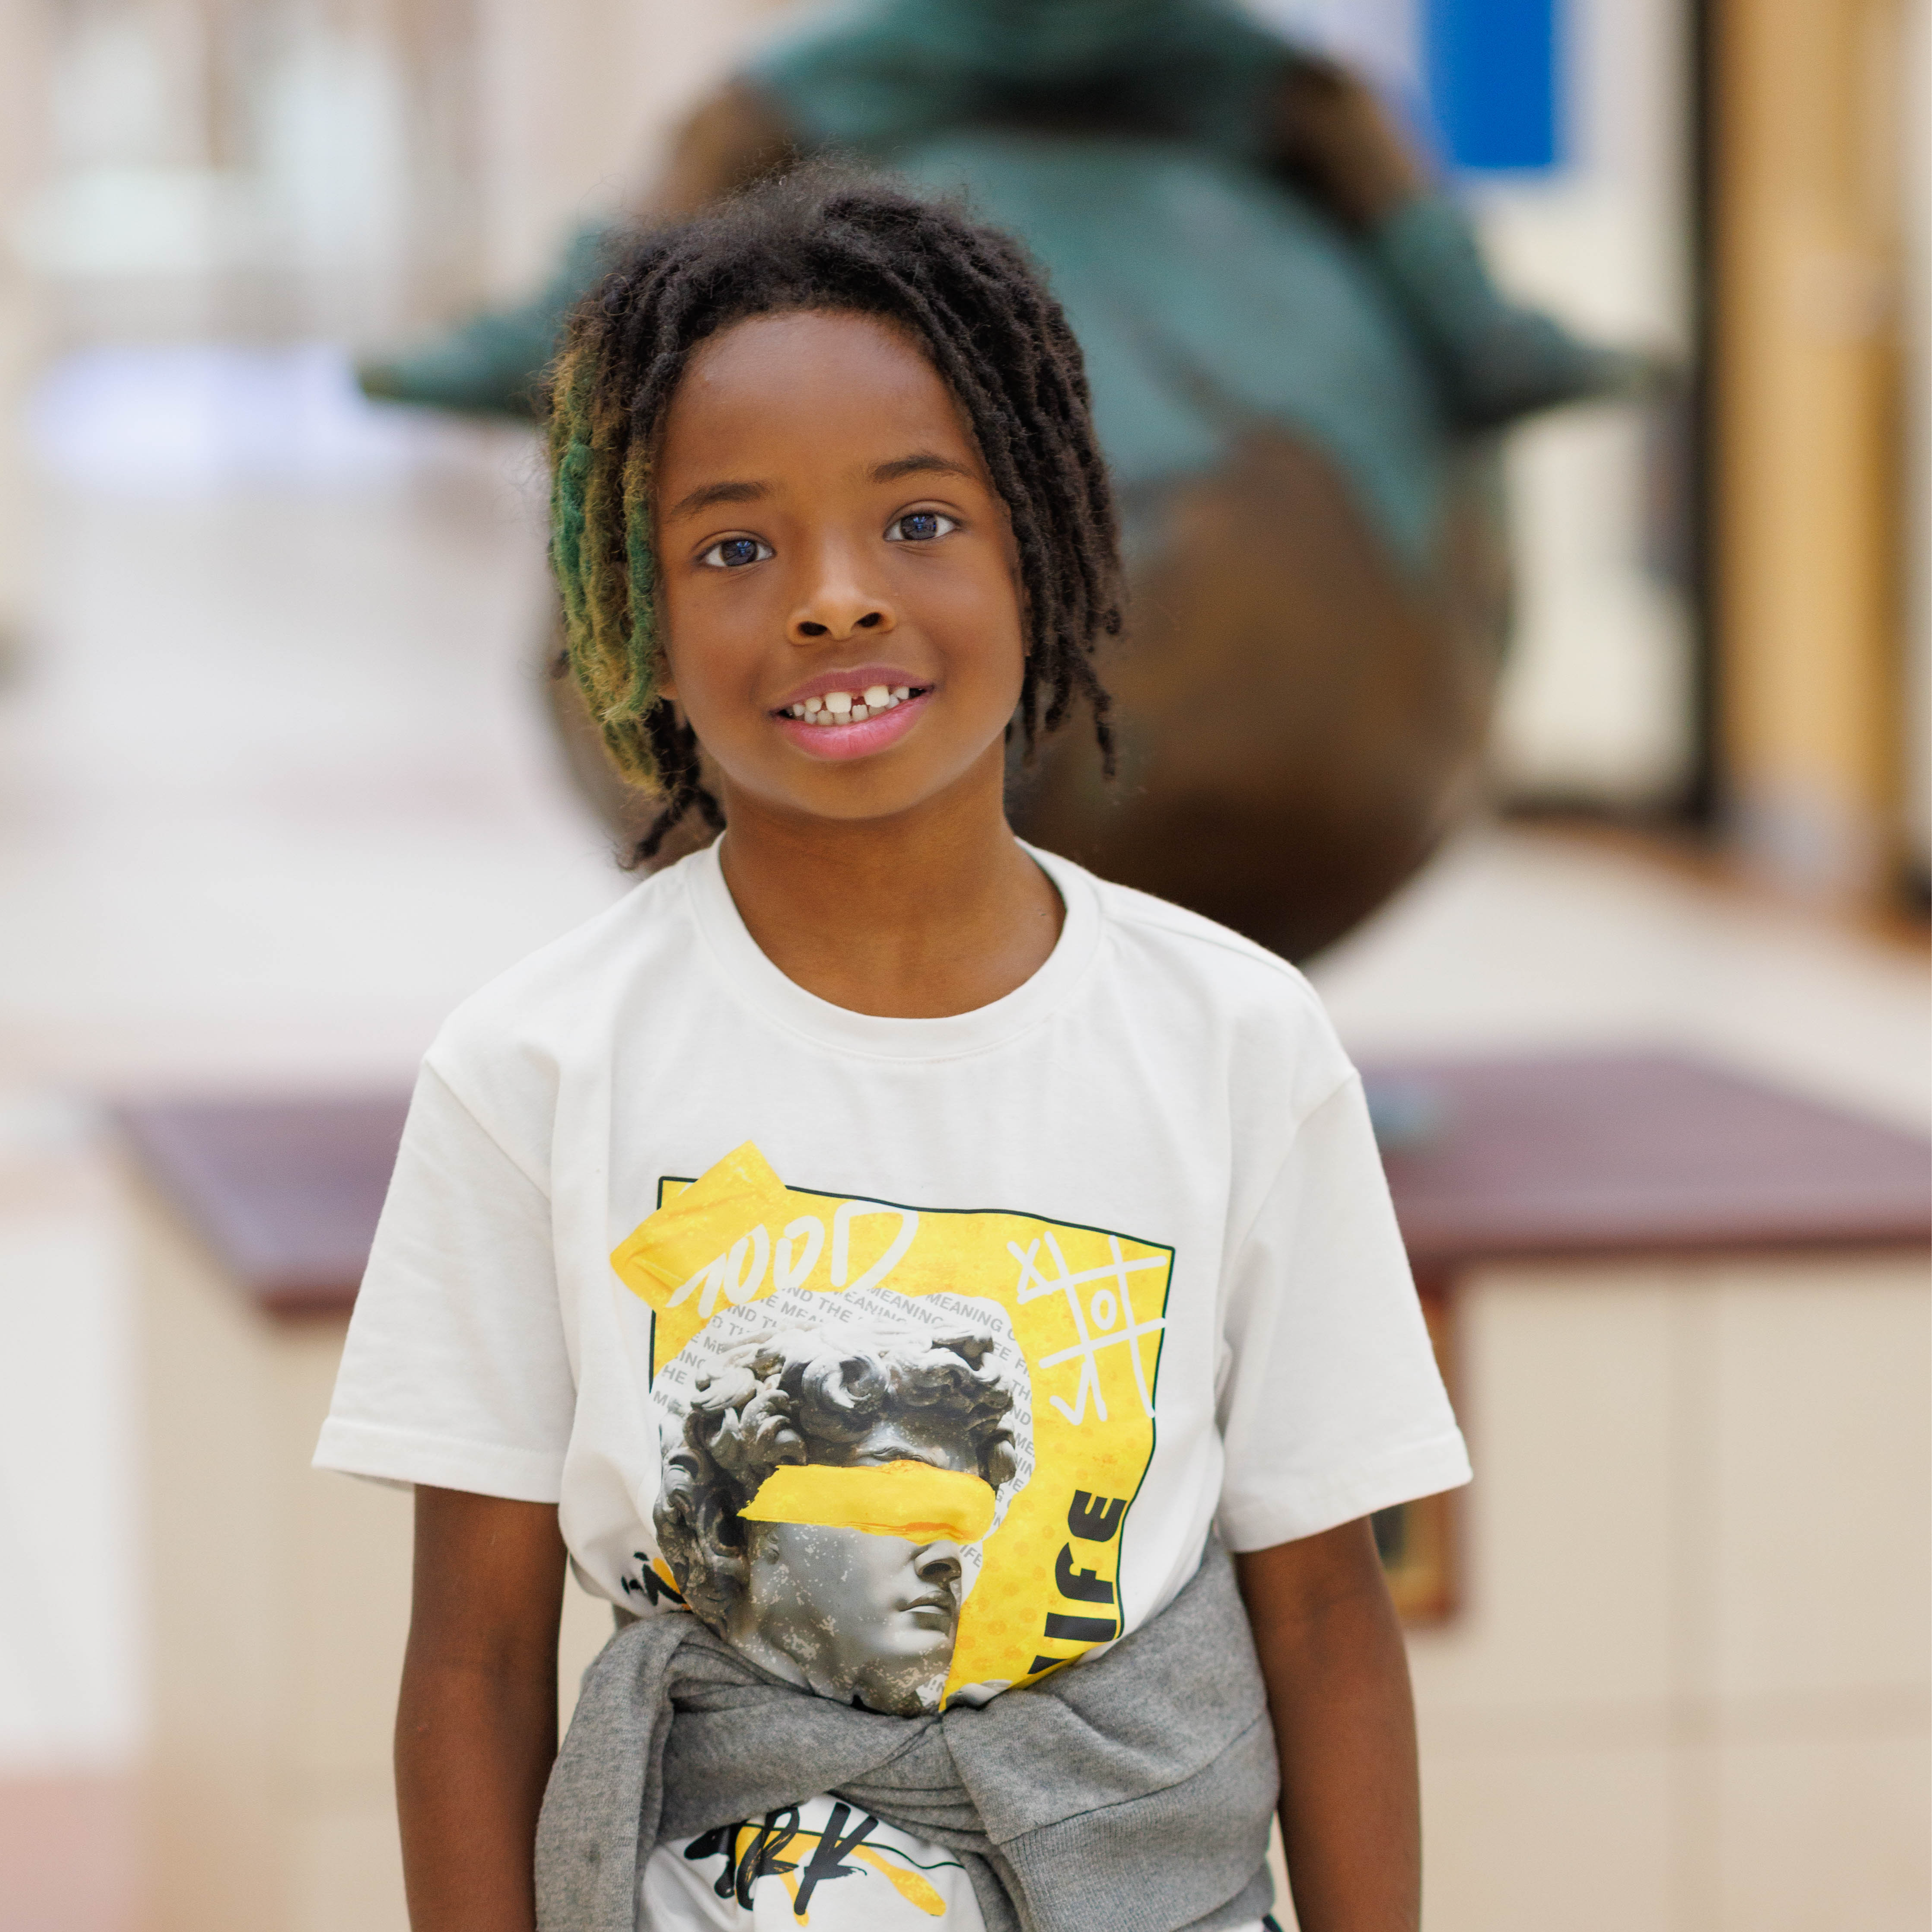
921, 461
708, 494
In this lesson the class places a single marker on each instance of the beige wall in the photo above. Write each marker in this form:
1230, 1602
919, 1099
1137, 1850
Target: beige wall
1808, 240
1595, 702
578, 98
23, 111
1687, 1691
1915, 97
276, 1604
353, 169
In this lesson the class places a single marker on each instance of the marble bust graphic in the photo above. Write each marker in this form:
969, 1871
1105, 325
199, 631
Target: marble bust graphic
824, 1487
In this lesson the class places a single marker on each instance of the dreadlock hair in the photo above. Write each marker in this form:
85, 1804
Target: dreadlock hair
825, 240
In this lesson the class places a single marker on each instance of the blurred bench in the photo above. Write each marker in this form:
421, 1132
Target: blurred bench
276, 1598
1686, 1318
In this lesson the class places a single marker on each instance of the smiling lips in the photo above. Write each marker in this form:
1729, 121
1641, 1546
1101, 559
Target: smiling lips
836, 708
852, 714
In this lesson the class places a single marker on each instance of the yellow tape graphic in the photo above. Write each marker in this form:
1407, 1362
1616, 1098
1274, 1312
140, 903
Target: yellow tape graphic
912, 1500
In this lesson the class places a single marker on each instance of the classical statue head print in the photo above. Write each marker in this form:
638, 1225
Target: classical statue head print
867, 1614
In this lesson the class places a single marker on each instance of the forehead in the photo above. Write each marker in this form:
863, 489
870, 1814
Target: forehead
834, 383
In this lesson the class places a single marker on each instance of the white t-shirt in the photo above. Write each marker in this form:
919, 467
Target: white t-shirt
918, 1355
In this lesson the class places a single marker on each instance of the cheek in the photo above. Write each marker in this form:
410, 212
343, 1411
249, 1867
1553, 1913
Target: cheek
710, 643
977, 620
845, 1569
842, 1575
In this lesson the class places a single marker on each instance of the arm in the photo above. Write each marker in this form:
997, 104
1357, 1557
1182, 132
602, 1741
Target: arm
1337, 1675
476, 1721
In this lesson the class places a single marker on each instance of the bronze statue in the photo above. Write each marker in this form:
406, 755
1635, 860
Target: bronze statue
1299, 366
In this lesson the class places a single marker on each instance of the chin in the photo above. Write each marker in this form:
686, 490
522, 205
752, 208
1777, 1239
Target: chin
919, 1646
907, 1682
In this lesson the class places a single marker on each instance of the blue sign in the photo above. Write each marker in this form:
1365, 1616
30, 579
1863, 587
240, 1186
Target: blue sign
1494, 72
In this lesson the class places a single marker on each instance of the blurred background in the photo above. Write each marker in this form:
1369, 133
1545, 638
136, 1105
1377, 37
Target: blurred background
278, 787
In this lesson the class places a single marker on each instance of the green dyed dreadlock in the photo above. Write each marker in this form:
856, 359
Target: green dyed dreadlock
823, 240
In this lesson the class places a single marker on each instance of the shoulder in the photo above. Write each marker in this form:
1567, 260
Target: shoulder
564, 1001
1212, 956
1230, 1000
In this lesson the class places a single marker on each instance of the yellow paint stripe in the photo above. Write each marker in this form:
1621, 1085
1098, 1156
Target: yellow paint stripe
912, 1500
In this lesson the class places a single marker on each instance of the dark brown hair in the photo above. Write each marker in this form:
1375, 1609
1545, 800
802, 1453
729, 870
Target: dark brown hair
820, 239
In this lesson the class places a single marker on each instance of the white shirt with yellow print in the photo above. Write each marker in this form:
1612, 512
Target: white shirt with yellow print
916, 1357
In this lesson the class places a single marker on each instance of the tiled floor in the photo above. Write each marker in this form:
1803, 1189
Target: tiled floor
275, 793
68, 1855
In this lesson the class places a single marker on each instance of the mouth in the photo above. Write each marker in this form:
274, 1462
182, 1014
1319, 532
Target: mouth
933, 1612
845, 715
839, 707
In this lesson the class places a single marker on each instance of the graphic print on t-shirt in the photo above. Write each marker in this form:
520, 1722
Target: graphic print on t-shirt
826, 1863
899, 1445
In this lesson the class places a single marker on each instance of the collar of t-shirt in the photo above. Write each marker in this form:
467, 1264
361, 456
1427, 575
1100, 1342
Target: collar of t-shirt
761, 985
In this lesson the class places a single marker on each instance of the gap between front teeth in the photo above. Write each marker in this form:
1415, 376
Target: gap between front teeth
845, 707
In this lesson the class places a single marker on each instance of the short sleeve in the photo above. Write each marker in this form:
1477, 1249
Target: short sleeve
455, 1372
1331, 1404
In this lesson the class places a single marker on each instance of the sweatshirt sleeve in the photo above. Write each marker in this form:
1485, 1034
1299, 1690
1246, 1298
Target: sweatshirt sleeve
456, 1373
1331, 1405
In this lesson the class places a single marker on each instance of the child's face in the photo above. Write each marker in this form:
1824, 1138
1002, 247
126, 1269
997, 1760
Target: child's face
826, 530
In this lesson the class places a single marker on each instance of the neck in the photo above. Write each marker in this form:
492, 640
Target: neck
933, 911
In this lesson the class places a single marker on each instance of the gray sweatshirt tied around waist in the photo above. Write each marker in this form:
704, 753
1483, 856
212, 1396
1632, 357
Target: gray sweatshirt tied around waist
1134, 1792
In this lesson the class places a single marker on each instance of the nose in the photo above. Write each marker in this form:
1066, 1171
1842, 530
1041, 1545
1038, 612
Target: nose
836, 606
937, 1563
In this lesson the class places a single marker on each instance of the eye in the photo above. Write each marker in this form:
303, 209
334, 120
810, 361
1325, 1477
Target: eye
919, 526
734, 553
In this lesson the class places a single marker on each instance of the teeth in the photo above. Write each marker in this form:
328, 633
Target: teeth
842, 707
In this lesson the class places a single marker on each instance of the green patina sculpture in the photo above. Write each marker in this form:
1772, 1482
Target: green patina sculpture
1297, 361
